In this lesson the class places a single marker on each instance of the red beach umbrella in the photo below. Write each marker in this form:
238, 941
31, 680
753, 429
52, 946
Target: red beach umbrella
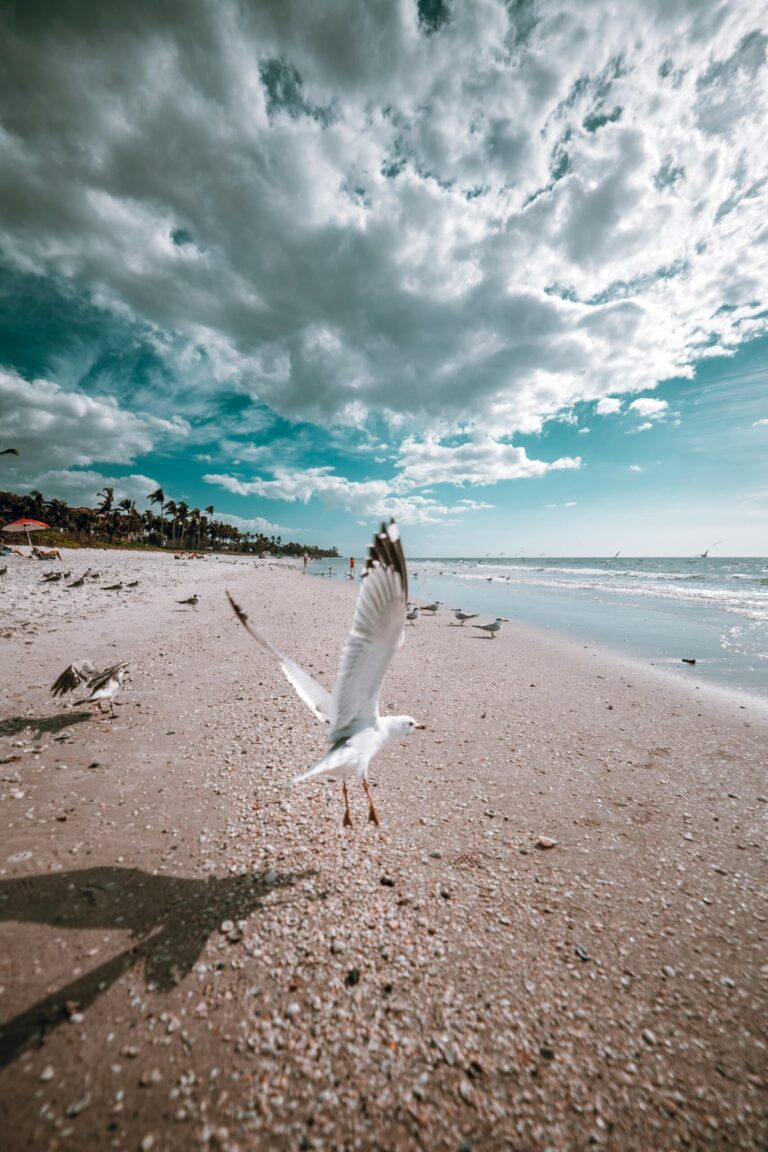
25, 524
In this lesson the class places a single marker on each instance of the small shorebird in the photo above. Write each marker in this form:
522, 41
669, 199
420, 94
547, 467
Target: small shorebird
411, 614
52, 577
132, 584
111, 587
356, 730
77, 583
192, 601
462, 616
494, 627
3, 570
431, 607
101, 685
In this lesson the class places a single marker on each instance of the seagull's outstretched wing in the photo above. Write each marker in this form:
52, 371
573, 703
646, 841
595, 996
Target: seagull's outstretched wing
72, 677
317, 699
376, 634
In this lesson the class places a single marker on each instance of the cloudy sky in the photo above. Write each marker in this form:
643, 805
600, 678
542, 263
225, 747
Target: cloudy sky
499, 269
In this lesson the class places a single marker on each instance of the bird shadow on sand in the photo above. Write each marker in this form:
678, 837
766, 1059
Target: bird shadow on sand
169, 917
41, 724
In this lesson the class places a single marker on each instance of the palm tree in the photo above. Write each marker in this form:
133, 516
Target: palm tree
35, 503
107, 499
158, 497
58, 512
182, 514
194, 523
212, 523
151, 524
172, 509
128, 506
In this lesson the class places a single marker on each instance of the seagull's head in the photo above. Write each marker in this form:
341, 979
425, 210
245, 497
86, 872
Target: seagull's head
402, 726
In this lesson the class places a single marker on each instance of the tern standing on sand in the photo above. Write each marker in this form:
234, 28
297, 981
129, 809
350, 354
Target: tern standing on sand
494, 627
356, 730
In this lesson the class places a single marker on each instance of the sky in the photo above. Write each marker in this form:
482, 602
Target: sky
497, 269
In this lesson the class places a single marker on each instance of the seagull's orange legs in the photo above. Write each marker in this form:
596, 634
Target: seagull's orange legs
347, 822
373, 815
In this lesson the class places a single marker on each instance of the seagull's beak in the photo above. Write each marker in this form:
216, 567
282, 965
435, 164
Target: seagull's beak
420, 727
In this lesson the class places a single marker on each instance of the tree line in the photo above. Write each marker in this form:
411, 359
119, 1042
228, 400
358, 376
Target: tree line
166, 523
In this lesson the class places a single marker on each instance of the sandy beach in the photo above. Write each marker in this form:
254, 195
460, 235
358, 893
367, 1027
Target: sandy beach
193, 954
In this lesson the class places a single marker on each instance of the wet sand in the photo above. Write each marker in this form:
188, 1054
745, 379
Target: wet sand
194, 954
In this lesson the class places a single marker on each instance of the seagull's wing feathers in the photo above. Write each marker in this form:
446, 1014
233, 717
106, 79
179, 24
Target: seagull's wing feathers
317, 699
102, 679
376, 634
71, 677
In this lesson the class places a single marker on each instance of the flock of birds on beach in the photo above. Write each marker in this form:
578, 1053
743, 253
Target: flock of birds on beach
356, 731
413, 611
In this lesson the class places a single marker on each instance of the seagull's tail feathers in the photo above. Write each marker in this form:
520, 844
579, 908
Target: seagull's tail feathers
337, 764
316, 698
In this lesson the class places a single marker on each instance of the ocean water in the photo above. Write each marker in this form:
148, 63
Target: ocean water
657, 609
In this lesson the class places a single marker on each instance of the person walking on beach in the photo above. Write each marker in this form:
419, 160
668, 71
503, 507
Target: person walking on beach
306, 561
351, 573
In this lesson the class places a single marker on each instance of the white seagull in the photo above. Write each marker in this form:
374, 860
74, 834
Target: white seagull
356, 731
101, 685
462, 616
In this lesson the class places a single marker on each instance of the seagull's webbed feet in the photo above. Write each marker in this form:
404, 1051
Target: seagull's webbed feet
373, 816
347, 821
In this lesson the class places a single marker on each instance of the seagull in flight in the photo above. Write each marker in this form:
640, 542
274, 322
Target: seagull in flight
462, 616
356, 730
494, 627
704, 555
100, 685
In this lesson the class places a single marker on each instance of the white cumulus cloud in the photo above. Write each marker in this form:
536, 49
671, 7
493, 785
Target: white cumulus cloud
649, 407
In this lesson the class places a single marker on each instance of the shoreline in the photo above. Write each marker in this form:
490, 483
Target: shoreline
438, 981
635, 623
